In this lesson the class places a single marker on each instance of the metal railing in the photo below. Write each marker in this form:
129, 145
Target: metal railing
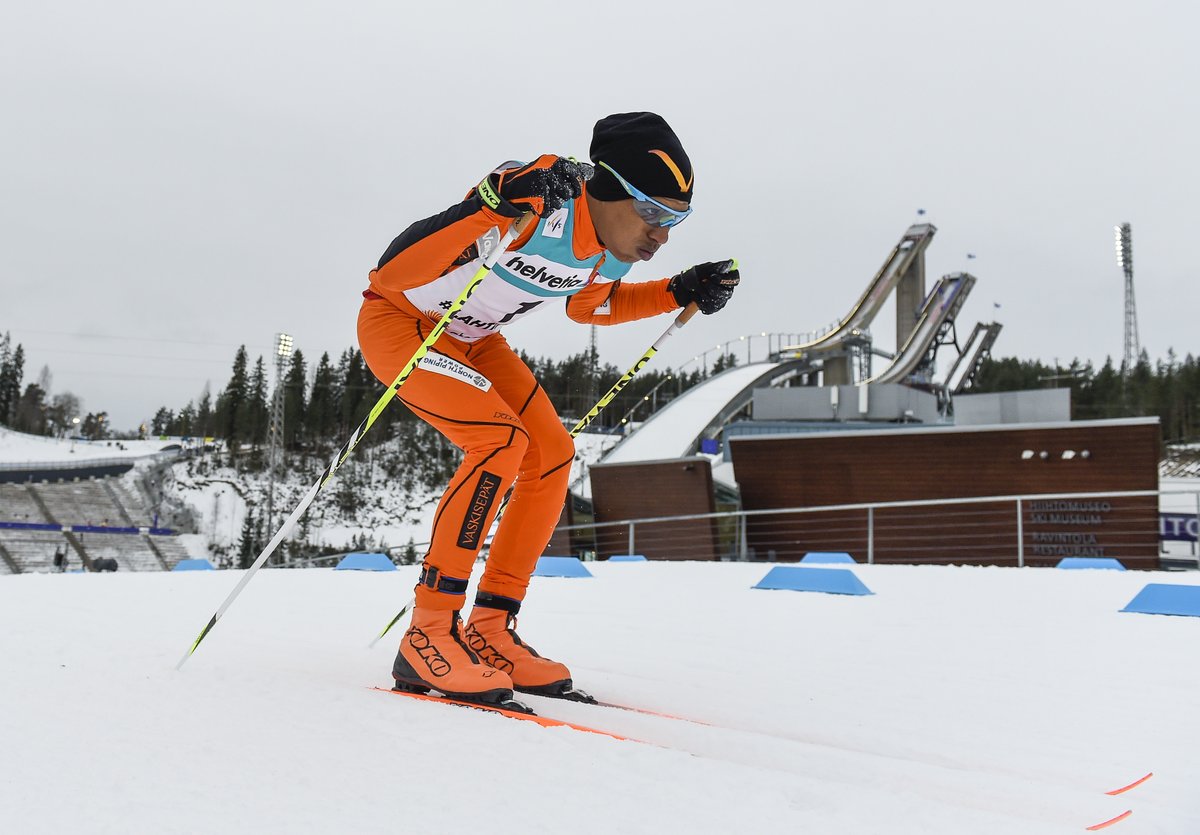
990, 529
1005, 529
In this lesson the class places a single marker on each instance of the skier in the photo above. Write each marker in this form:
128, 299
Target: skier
585, 229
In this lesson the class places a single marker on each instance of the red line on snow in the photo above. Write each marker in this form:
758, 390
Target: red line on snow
1097, 826
1132, 785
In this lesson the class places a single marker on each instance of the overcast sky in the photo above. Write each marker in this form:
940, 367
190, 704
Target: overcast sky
177, 179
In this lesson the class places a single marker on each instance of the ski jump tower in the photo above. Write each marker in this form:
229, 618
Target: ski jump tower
1124, 235
923, 320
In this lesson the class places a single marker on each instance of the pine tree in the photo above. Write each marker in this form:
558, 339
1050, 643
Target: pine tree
204, 413
5, 360
320, 419
255, 412
409, 555
724, 362
95, 426
356, 389
30, 413
348, 497
12, 372
294, 401
162, 421
185, 421
230, 403
247, 543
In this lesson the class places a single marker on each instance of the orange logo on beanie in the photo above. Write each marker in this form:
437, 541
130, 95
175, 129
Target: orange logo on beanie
684, 185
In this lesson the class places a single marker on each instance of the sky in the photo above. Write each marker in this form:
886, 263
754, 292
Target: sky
951, 700
179, 179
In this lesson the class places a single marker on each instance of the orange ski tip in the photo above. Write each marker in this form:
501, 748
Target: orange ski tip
1104, 824
1132, 785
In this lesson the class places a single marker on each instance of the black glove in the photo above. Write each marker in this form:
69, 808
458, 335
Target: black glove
543, 186
709, 285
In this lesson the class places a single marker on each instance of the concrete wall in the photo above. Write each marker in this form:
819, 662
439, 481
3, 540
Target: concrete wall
1036, 406
883, 402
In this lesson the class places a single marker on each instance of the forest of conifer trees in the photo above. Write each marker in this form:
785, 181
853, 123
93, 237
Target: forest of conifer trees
1168, 388
321, 409
322, 405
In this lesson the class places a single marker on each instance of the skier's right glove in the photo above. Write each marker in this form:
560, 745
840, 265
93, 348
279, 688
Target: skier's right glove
543, 186
709, 285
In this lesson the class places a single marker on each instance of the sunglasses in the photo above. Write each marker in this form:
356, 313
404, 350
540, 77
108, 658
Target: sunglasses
648, 209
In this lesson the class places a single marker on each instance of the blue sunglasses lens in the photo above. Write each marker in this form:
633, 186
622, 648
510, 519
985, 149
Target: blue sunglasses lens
656, 215
648, 209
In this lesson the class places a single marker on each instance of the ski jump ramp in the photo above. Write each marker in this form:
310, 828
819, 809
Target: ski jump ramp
675, 430
941, 306
977, 348
902, 256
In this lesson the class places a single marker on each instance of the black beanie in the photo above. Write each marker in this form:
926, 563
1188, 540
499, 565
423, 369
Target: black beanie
643, 149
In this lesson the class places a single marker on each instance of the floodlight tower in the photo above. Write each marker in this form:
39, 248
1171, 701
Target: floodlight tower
283, 352
1124, 241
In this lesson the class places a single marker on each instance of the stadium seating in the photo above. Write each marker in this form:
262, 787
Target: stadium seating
90, 504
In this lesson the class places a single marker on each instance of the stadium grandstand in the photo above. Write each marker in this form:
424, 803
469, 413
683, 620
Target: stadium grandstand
81, 514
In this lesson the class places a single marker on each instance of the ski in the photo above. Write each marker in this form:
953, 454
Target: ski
573, 694
646, 712
511, 713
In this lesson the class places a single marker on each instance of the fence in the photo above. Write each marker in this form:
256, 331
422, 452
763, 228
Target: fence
1031, 529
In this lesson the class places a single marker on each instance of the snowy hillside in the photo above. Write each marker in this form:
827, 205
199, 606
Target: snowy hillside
19, 448
953, 701
389, 513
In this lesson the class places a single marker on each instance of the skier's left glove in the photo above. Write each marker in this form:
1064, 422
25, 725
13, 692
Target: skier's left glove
543, 186
709, 285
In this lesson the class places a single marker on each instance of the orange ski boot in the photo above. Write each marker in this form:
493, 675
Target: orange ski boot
492, 634
433, 656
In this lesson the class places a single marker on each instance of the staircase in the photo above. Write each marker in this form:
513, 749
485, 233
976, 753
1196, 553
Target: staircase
31, 551
7, 565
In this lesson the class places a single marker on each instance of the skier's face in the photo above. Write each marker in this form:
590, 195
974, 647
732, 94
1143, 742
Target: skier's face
624, 233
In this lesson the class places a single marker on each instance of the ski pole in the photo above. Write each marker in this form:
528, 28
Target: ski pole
492, 245
680, 320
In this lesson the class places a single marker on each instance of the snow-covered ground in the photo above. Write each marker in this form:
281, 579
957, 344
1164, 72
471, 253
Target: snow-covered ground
955, 701
19, 448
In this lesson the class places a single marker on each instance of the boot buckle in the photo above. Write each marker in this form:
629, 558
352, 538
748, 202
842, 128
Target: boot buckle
436, 580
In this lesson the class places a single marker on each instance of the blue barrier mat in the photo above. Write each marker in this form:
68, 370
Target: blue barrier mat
827, 557
1166, 599
827, 580
1091, 562
364, 561
560, 567
193, 565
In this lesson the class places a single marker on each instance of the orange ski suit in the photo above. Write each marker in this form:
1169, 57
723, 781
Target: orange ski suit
475, 389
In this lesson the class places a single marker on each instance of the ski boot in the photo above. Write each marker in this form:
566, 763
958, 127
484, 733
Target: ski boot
492, 634
433, 656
